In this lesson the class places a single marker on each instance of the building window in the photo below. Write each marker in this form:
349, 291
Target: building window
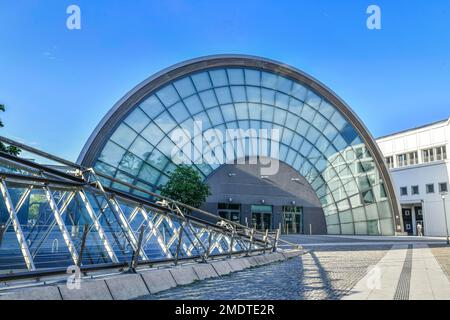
434, 154
390, 162
402, 160
443, 187
403, 191
441, 153
428, 155
430, 188
415, 190
413, 158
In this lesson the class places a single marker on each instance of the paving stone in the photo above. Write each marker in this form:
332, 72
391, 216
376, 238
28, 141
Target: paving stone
35, 293
222, 267
126, 287
184, 275
89, 290
205, 271
236, 265
158, 280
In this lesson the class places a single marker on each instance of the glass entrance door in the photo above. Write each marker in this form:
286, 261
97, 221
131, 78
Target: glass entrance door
292, 220
262, 217
230, 211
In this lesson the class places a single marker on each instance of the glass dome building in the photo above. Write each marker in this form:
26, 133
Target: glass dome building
320, 138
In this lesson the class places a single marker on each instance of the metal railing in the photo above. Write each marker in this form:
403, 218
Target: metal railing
55, 213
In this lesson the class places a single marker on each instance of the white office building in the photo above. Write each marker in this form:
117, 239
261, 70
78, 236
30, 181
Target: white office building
420, 168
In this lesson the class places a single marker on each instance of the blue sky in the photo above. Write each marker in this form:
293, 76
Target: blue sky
57, 83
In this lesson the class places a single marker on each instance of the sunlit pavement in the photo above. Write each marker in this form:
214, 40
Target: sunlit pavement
414, 268
338, 267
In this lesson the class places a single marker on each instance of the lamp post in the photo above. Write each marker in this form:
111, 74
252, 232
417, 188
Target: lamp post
443, 194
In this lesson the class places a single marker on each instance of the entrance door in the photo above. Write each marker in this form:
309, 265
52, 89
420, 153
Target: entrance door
230, 211
407, 220
419, 218
292, 220
262, 217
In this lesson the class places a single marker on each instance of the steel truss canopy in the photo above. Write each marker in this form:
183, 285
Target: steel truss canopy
55, 214
320, 136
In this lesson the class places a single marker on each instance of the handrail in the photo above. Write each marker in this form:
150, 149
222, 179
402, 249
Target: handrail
112, 179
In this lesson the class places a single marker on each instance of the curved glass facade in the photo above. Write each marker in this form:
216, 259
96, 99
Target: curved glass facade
316, 139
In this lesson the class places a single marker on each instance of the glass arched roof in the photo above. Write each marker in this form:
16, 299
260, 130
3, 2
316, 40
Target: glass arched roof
316, 139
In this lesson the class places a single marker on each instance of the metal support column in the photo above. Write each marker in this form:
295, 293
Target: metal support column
98, 226
62, 226
114, 205
17, 227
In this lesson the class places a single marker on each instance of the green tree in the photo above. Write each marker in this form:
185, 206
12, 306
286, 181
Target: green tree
186, 186
8, 149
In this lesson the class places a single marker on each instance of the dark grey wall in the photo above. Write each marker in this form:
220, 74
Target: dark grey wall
244, 185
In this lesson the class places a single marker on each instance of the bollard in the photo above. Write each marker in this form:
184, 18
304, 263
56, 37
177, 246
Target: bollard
275, 242
83, 244
2, 232
250, 242
266, 236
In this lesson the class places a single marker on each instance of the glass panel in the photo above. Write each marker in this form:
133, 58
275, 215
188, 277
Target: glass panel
124, 136
252, 77
168, 95
238, 94
141, 148
179, 112
201, 81
235, 76
253, 94
223, 95
208, 98
194, 104
137, 120
219, 78
153, 133
112, 154
184, 87
152, 106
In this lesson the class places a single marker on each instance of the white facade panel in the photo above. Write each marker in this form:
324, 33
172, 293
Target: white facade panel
433, 172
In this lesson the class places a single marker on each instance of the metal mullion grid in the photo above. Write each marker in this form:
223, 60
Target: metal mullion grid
117, 217
176, 232
153, 225
245, 85
17, 227
102, 210
166, 135
234, 109
19, 204
52, 225
134, 178
131, 236
197, 240
204, 110
96, 223
331, 143
61, 224
330, 193
235, 113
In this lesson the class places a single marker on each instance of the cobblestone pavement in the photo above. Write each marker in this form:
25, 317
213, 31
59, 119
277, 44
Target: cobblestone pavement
442, 255
321, 273
329, 273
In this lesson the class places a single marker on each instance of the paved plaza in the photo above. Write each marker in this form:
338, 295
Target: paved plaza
339, 267
386, 268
